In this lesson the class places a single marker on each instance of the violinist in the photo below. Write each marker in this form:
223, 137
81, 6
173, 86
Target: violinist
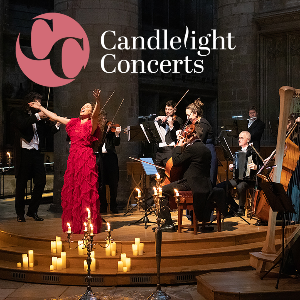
194, 113
168, 125
192, 155
108, 163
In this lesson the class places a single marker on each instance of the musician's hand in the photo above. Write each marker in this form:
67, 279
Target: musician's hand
252, 166
297, 120
35, 104
230, 167
117, 132
162, 118
96, 93
181, 142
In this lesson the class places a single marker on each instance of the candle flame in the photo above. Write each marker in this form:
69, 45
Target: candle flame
108, 226
88, 210
68, 224
137, 189
8, 153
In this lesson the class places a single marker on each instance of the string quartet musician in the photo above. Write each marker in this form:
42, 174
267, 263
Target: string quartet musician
167, 125
252, 164
256, 127
194, 157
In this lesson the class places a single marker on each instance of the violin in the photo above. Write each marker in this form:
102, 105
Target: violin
112, 127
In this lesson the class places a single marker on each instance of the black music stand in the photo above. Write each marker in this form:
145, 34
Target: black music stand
279, 202
228, 157
149, 170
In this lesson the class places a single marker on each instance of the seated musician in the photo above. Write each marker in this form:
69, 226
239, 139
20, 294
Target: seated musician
194, 158
168, 125
252, 164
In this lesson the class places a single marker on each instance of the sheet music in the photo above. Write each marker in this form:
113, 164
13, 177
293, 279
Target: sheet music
149, 169
142, 126
162, 134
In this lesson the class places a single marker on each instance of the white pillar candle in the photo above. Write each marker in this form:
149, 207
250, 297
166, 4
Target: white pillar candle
80, 247
128, 263
120, 266
58, 238
51, 268
93, 254
108, 226
141, 248
134, 249
137, 241
69, 228
107, 250
53, 246
85, 266
113, 248
59, 264
124, 269
93, 264
58, 246
25, 261
91, 229
30, 257
30, 265
24, 255
113, 253
19, 265
123, 258
54, 262
63, 256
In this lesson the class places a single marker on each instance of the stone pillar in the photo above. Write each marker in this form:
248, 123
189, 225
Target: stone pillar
237, 81
95, 17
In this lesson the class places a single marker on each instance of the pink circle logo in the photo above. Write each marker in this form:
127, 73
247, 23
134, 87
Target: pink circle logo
54, 32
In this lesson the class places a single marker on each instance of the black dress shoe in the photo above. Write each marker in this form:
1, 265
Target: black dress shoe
35, 217
21, 219
168, 228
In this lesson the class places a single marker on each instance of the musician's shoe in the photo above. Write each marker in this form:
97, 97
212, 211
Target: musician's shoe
21, 219
261, 223
168, 228
35, 217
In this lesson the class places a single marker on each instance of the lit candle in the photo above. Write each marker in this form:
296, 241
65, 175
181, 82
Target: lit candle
93, 254
137, 241
128, 263
134, 249
141, 248
123, 258
80, 247
53, 246
63, 256
124, 269
160, 192
176, 193
157, 176
85, 227
25, 261
58, 238
58, 247
85, 266
155, 191
8, 154
54, 262
120, 266
51, 268
113, 253
93, 264
113, 248
59, 264
108, 226
69, 228
107, 250
139, 193
91, 229
30, 265
30, 257
89, 213
19, 265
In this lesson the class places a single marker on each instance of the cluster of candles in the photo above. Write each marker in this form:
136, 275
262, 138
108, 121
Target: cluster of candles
137, 247
56, 246
27, 260
111, 249
59, 263
124, 265
93, 262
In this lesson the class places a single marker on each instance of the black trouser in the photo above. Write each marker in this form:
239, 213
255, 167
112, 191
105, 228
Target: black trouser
32, 166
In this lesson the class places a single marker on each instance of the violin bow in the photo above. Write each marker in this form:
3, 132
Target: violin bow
106, 101
48, 96
181, 99
146, 162
112, 121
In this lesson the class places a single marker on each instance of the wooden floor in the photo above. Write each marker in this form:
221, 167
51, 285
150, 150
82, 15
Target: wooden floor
246, 285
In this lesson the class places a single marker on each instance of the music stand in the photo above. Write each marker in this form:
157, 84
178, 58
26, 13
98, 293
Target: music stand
149, 169
279, 202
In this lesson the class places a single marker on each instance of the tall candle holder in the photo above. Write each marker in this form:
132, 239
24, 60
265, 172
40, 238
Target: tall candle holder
88, 244
158, 294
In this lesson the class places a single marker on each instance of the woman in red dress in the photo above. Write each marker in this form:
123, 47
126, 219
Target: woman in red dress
80, 190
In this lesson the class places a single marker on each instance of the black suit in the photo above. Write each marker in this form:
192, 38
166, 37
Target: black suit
195, 161
29, 163
256, 130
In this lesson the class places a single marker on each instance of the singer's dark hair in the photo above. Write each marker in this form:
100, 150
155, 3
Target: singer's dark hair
253, 108
171, 103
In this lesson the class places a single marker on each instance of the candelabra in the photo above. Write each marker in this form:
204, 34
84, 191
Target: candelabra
158, 294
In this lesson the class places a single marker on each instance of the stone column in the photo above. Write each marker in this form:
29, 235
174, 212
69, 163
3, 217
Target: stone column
95, 17
237, 81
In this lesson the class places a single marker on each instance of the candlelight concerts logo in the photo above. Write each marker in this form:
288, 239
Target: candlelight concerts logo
49, 32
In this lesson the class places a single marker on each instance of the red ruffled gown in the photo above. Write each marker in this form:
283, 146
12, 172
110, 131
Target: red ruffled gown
80, 190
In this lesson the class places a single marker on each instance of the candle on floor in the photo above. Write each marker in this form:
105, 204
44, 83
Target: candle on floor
30, 265
25, 261
141, 249
53, 246
124, 269
30, 257
137, 241
19, 265
63, 256
59, 264
58, 238
93, 254
58, 247
85, 266
54, 262
123, 258
93, 264
113, 248
80, 247
69, 228
107, 250
120, 266
51, 268
134, 249
128, 263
